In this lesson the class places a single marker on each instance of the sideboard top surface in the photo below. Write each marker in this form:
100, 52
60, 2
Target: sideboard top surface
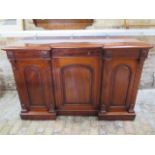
84, 42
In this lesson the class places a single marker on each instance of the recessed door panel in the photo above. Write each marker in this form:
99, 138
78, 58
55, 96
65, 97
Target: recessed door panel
120, 85
77, 82
36, 83
118, 80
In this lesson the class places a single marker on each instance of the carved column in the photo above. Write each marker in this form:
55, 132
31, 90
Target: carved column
106, 56
46, 55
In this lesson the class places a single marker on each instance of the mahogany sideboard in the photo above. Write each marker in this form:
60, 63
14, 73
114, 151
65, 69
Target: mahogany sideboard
95, 77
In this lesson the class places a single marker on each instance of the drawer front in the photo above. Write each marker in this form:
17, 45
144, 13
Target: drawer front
30, 54
72, 52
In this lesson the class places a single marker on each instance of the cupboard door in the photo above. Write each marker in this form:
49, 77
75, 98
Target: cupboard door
118, 81
77, 83
35, 84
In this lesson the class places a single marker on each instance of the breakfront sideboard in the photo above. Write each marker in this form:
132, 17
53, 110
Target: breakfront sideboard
92, 78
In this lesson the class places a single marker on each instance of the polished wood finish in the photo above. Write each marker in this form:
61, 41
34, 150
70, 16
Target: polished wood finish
97, 78
33, 77
77, 74
118, 82
64, 24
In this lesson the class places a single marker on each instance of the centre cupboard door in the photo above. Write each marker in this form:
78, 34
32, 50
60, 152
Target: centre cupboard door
77, 81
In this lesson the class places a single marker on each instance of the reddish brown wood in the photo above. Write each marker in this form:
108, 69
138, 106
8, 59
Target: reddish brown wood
63, 23
77, 79
118, 80
33, 75
99, 79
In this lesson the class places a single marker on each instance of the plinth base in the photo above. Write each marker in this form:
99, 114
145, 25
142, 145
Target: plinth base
116, 116
38, 116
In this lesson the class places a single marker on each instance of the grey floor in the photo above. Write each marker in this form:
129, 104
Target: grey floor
10, 122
